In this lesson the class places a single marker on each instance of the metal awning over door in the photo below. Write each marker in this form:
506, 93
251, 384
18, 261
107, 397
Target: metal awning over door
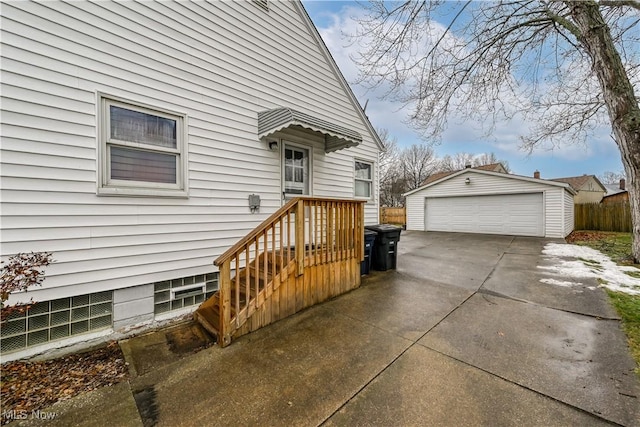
336, 137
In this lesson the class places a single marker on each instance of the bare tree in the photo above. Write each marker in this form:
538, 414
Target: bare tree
456, 162
403, 169
461, 160
490, 159
388, 158
417, 163
566, 66
391, 181
611, 177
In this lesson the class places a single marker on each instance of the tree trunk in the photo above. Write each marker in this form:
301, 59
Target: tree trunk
619, 98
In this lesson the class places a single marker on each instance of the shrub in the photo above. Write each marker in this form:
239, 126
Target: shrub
20, 272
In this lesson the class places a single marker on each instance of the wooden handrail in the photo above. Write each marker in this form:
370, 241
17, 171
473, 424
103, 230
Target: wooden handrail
322, 231
256, 231
267, 222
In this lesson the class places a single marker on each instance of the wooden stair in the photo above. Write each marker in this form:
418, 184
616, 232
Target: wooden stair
208, 314
306, 252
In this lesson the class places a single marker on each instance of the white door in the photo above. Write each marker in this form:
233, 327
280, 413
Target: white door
510, 214
296, 170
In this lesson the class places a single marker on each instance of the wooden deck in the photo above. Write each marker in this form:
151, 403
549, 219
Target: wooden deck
305, 253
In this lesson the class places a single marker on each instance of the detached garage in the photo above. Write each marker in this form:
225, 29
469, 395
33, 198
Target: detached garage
487, 202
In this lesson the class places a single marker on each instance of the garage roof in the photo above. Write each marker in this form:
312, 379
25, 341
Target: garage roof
496, 167
492, 173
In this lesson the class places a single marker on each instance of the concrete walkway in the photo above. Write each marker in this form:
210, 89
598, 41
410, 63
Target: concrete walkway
462, 333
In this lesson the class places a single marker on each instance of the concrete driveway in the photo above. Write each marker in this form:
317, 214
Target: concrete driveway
462, 333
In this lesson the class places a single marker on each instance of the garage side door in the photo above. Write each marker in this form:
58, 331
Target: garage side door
512, 214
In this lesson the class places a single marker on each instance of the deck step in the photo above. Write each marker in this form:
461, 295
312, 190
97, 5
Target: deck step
208, 320
208, 314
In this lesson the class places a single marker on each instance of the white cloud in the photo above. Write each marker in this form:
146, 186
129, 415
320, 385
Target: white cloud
383, 113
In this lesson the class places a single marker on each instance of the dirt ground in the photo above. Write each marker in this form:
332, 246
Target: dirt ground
28, 386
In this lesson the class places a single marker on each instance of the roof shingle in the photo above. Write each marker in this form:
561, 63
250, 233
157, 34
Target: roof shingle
494, 167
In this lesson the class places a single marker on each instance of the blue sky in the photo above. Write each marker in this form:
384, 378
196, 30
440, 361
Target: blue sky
599, 155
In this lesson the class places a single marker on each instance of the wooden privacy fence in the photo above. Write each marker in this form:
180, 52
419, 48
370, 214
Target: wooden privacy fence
393, 216
603, 217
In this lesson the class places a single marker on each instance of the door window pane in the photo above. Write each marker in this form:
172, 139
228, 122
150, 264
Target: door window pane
296, 170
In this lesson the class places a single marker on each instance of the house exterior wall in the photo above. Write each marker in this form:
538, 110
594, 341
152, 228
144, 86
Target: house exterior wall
569, 214
590, 192
616, 198
219, 64
486, 184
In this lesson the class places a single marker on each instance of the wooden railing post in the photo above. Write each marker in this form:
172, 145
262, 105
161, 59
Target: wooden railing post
299, 239
225, 303
360, 231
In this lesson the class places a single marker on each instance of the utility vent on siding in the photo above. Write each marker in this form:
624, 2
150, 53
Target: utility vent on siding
183, 292
262, 3
57, 319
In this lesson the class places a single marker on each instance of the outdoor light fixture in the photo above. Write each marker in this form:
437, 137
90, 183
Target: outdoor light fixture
273, 145
467, 181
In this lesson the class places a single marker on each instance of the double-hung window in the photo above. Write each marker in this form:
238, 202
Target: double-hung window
363, 179
142, 151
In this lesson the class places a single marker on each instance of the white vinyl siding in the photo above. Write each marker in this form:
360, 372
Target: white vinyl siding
569, 213
262, 3
485, 183
414, 206
59, 56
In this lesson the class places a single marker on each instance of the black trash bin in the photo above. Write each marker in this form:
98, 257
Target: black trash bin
385, 246
369, 239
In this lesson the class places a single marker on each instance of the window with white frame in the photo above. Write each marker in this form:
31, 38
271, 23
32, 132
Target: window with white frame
296, 170
143, 150
363, 179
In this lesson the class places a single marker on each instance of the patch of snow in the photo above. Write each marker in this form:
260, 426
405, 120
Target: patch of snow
560, 283
590, 264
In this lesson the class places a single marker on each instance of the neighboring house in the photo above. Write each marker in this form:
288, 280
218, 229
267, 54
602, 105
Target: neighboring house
488, 202
616, 193
589, 189
141, 140
495, 167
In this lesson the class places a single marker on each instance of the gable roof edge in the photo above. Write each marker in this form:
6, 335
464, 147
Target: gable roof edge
325, 51
571, 180
499, 174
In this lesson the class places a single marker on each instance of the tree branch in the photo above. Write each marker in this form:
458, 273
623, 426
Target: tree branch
619, 3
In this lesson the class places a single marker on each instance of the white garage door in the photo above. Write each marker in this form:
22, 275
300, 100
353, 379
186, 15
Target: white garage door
511, 214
